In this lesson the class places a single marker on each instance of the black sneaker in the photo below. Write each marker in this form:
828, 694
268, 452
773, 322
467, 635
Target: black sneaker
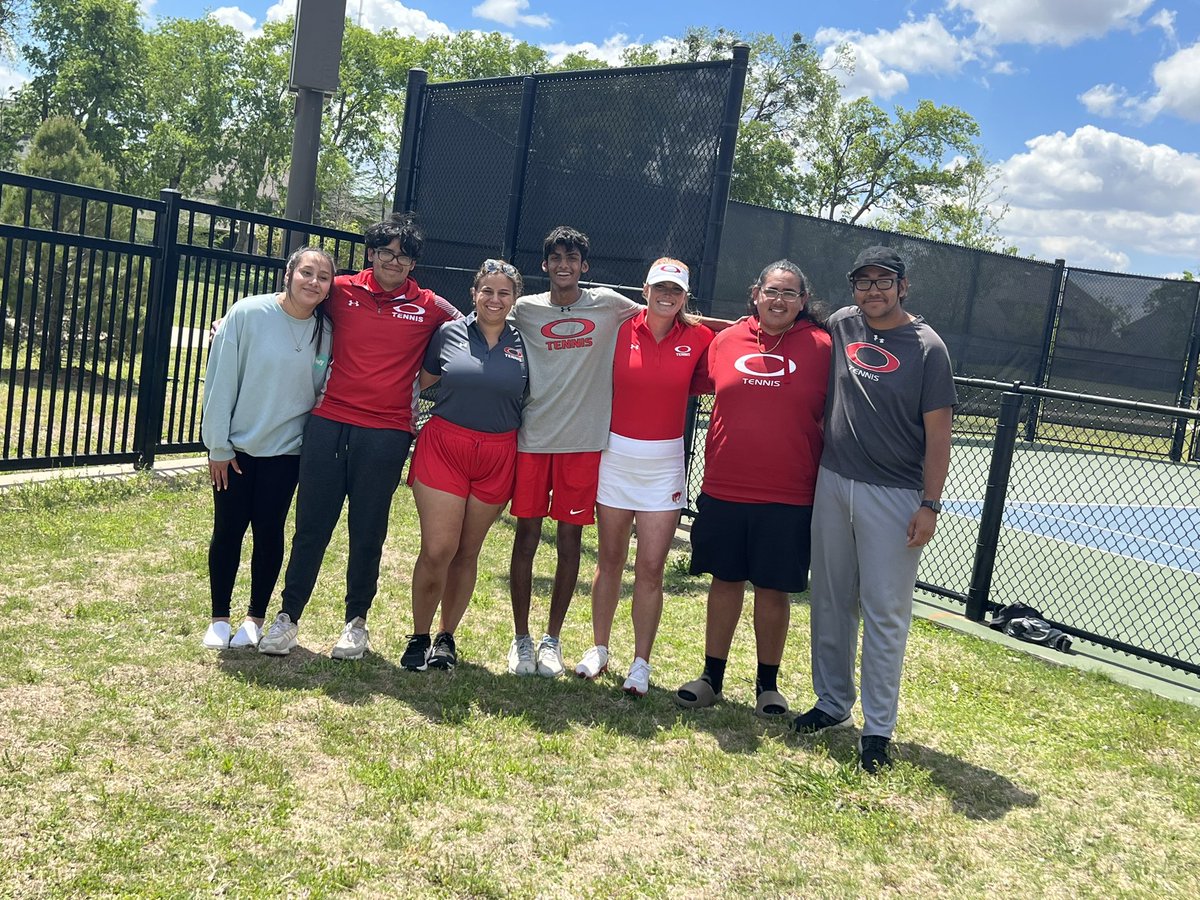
817, 720
873, 755
416, 654
443, 654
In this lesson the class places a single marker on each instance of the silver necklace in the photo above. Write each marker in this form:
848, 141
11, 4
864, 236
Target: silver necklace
298, 343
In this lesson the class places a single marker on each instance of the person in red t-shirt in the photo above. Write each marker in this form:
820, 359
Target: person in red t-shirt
769, 373
642, 477
357, 440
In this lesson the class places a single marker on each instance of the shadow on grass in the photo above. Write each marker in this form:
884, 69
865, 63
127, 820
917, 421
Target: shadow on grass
472, 691
973, 791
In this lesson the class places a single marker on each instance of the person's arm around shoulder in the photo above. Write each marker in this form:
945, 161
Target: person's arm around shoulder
937, 466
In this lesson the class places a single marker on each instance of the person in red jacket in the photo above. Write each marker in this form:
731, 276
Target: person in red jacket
769, 373
357, 440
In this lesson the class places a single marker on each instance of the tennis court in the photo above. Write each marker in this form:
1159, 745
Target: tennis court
1102, 542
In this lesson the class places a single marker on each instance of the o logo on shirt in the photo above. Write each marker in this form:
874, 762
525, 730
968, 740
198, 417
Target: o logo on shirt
568, 328
683, 350
411, 308
871, 357
756, 365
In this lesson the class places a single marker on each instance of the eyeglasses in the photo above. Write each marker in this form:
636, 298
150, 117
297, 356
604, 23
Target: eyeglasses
492, 266
865, 284
775, 293
384, 255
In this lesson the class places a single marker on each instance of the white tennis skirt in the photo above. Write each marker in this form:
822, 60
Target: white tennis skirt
644, 476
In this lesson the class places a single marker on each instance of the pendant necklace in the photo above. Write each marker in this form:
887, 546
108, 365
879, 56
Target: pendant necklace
297, 343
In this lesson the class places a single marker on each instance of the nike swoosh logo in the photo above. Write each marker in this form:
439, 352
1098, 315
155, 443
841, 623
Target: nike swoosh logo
576, 512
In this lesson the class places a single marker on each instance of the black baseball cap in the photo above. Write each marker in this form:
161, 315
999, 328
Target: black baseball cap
883, 257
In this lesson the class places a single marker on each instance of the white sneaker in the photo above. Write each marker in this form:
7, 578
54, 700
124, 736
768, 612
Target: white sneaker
594, 663
549, 657
247, 636
638, 682
520, 656
281, 637
216, 637
353, 642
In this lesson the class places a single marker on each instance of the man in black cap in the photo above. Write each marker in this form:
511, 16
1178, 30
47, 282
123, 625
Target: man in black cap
879, 490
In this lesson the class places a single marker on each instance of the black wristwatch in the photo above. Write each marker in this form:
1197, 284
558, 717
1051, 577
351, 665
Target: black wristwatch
935, 505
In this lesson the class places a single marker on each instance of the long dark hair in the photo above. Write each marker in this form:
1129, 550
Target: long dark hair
319, 314
813, 310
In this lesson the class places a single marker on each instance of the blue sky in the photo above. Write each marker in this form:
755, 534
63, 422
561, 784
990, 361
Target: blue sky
1091, 108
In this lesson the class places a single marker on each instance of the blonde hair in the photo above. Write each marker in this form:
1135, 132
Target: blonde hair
685, 316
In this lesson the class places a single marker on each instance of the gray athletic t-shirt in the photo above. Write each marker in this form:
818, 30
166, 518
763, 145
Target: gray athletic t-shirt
881, 383
569, 350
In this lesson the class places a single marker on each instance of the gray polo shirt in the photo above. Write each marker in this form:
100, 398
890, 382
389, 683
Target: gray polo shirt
482, 388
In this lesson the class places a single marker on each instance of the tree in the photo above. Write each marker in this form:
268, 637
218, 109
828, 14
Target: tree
471, 55
59, 151
86, 57
189, 102
861, 160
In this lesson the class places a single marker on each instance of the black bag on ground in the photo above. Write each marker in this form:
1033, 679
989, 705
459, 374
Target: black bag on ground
1026, 623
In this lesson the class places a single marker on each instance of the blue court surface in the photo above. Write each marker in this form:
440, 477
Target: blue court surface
1160, 535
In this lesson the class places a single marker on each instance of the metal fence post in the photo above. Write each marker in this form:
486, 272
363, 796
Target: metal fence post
406, 166
1043, 370
516, 190
1187, 388
156, 342
993, 506
722, 176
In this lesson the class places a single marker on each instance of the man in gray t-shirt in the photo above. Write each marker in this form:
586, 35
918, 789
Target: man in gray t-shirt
887, 452
570, 334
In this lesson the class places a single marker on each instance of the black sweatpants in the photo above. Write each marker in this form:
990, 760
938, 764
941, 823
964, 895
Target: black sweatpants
338, 464
259, 499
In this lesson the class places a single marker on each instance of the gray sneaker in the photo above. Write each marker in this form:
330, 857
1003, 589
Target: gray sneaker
520, 656
281, 637
549, 657
353, 642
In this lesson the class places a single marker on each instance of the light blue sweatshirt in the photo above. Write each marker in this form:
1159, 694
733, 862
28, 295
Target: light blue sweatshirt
264, 376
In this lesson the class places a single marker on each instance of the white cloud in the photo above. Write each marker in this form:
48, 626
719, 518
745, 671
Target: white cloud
235, 18
882, 59
510, 13
610, 51
280, 10
1178, 81
1164, 19
1062, 22
1077, 196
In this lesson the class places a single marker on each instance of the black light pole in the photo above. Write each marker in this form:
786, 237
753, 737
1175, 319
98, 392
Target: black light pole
316, 56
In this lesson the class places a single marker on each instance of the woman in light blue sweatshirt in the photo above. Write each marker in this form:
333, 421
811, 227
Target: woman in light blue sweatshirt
266, 368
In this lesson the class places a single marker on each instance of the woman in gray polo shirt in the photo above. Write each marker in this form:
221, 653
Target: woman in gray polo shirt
464, 465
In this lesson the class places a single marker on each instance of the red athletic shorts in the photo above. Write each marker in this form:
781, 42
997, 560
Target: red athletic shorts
561, 484
465, 462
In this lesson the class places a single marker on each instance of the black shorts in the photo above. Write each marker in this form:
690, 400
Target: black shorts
767, 544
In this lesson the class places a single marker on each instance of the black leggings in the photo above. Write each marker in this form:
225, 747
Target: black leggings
259, 498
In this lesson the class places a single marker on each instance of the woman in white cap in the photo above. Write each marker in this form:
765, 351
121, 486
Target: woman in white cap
642, 475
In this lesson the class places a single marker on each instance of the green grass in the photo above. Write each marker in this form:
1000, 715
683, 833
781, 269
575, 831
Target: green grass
135, 763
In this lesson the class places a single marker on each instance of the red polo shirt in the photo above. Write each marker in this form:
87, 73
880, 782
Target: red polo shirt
651, 378
379, 339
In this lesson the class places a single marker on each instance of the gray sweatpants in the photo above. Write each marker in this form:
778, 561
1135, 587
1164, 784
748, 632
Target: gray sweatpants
860, 562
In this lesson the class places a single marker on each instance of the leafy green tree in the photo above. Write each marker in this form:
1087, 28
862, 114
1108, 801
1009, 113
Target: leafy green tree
86, 58
471, 55
58, 150
189, 102
861, 160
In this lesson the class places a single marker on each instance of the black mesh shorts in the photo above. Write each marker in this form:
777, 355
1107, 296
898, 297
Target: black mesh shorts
766, 544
